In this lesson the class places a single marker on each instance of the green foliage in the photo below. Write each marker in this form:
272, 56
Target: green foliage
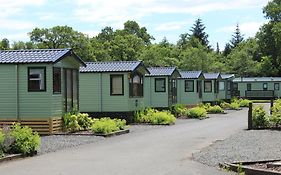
197, 112
26, 142
73, 122
155, 117
260, 119
234, 105
2, 138
215, 109
70, 122
84, 121
244, 102
225, 105
178, 110
107, 125
275, 118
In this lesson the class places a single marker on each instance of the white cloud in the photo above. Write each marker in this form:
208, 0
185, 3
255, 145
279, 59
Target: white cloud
109, 11
249, 29
21, 36
91, 33
9, 24
171, 26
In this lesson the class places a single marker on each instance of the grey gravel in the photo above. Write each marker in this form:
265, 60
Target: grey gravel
58, 142
244, 146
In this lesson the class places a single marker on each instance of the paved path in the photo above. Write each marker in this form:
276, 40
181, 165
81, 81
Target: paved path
166, 150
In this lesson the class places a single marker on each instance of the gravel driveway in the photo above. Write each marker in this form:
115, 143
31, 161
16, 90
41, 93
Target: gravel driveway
246, 145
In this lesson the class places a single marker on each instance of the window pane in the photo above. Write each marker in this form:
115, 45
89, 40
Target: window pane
276, 86
249, 87
136, 88
189, 86
208, 86
221, 85
264, 86
116, 84
56, 80
160, 85
36, 79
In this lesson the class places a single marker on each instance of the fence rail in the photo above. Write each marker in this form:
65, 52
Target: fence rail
42, 126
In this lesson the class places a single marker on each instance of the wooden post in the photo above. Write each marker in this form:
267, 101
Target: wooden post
271, 105
50, 125
250, 116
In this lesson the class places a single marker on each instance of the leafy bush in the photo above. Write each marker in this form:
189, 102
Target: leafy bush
75, 122
197, 112
26, 141
260, 119
215, 109
2, 138
154, 116
84, 121
275, 118
205, 106
244, 102
234, 105
107, 125
71, 123
225, 105
178, 110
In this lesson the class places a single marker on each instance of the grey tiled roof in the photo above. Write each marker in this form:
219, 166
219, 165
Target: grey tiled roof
33, 55
211, 76
257, 79
190, 74
227, 76
161, 71
113, 66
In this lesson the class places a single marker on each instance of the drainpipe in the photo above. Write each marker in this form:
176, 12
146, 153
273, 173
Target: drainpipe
17, 91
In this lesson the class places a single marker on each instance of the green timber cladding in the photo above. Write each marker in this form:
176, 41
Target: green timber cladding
257, 87
28, 90
190, 87
211, 87
161, 87
112, 87
225, 86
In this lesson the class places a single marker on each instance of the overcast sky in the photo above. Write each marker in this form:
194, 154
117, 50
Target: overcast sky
162, 18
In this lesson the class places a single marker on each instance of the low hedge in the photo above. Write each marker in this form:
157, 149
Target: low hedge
244, 102
107, 125
155, 117
197, 112
215, 109
77, 122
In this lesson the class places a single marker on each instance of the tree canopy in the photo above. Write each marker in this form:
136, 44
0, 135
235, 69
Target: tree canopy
257, 56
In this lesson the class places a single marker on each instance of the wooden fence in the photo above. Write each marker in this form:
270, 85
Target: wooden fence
42, 126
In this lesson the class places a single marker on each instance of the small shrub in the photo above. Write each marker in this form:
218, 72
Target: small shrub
225, 105
84, 121
107, 125
260, 119
178, 110
162, 118
244, 103
275, 118
26, 141
197, 112
2, 138
120, 123
71, 122
215, 109
234, 105
154, 116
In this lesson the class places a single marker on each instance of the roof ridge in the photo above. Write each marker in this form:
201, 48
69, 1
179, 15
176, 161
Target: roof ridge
35, 50
100, 62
